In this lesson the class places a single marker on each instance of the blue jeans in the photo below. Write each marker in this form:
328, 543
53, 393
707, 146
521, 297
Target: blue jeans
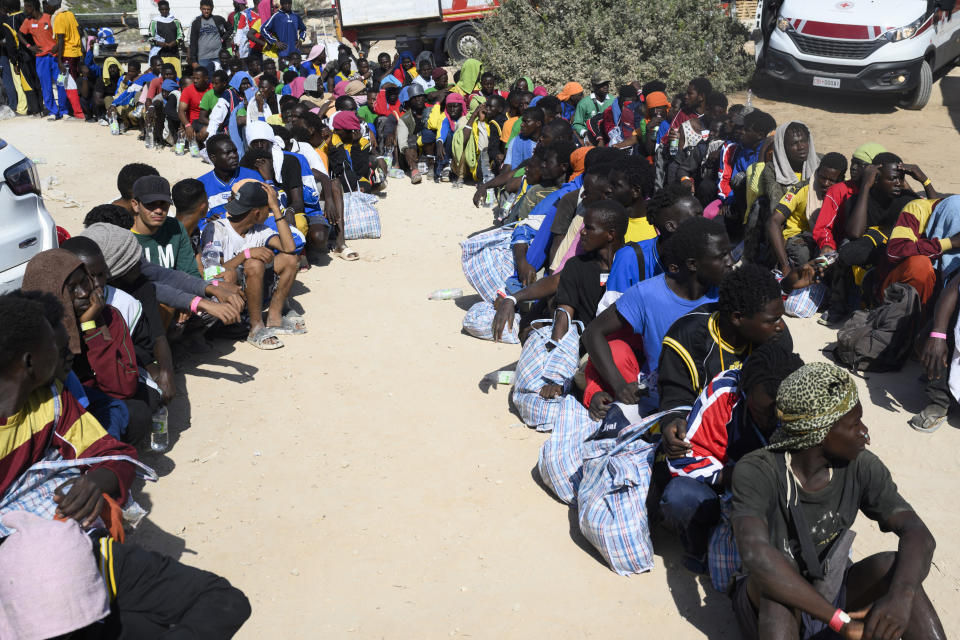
208, 63
691, 509
9, 88
47, 72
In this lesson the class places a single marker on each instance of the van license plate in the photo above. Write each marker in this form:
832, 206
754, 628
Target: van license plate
830, 83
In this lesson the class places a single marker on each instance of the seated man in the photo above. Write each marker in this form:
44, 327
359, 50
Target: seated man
869, 221
734, 415
225, 174
349, 155
624, 341
737, 156
518, 151
164, 240
789, 227
748, 313
188, 110
638, 261
35, 408
816, 470
129, 174
117, 591
190, 201
927, 231
248, 248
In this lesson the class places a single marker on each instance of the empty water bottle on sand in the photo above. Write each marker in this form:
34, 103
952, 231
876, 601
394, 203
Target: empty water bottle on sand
210, 258
194, 149
181, 144
114, 125
446, 294
148, 139
159, 436
502, 377
422, 166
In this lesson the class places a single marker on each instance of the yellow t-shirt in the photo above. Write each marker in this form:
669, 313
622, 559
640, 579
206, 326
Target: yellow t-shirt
753, 185
796, 205
639, 229
65, 24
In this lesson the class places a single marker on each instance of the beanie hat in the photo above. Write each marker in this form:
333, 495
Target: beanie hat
346, 120
49, 583
119, 246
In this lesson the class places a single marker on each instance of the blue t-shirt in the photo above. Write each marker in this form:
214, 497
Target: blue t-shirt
650, 307
218, 193
519, 151
625, 270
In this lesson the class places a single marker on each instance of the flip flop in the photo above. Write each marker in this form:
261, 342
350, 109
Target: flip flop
292, 325
348, 254
259, 339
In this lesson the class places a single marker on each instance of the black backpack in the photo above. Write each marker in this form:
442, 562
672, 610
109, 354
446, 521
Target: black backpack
880, 339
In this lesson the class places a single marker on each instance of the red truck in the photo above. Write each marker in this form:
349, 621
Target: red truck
363, 21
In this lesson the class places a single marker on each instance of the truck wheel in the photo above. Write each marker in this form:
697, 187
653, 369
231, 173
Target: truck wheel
918, 98
463, 41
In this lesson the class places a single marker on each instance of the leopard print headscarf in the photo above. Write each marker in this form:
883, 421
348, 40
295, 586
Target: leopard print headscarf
809, 401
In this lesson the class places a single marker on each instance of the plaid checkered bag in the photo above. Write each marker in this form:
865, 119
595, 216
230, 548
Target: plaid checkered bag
803, 303
561, 456
612, 496
723, 557
479, 323
360, 217
487, 261
544, 361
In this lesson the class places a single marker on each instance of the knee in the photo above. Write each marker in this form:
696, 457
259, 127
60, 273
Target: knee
253, 267
285, 262
685, 498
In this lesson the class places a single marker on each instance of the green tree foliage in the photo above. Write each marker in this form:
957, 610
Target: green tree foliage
555, 41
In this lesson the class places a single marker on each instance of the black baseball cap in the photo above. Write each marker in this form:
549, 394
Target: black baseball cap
152, 189
250, 196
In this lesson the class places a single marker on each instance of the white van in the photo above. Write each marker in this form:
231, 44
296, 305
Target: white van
870, 46
183, 10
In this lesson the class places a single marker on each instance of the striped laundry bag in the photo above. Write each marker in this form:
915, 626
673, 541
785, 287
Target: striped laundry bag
479, 323
611, 500
544, 361
487, 261
803, 303
360, 217
723, 557
561, 456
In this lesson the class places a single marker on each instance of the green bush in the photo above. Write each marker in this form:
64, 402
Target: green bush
555, 41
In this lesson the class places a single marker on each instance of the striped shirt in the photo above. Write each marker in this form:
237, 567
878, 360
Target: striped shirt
719, 429
28, 434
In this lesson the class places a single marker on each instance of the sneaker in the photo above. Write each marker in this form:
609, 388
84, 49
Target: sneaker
445, 174
103, 122
833, 316
415, 177
53, 118
929, 420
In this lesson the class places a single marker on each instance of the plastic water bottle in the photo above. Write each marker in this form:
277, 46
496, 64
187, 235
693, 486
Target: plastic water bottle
445, 294
491, 200
422, 166
194, 149
674, 146
138, 111
148, 139
114, 125
180, 146
159, 435
501, 377
210, 257
749, 104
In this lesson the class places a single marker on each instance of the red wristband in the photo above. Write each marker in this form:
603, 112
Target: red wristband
839, 619
195, 304
246, 253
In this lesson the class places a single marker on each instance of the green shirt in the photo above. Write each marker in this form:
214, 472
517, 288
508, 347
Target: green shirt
209, 100
366, 114
586, 109
170, 247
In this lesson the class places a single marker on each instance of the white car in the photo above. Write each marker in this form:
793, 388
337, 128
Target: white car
859, 46
26, 227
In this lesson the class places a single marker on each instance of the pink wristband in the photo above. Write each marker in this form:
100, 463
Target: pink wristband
215, 283
246, 253
837, 621
937, 334
195, 304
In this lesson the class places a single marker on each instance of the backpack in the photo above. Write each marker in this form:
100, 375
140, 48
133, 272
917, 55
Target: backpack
880, 339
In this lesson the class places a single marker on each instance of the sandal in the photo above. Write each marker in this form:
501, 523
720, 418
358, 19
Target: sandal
292, 324
929, 420
347, 254
260, 339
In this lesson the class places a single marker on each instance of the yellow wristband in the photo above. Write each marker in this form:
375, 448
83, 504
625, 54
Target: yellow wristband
89, 324
926, 182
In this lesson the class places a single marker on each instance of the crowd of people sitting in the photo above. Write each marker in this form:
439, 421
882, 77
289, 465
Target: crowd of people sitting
644, 247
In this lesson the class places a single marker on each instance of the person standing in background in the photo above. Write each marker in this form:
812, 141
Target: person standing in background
207, 35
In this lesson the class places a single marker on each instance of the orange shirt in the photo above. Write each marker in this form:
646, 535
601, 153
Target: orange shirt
41, 31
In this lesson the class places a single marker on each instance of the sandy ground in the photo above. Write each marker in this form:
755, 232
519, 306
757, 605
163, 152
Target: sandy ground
364, 482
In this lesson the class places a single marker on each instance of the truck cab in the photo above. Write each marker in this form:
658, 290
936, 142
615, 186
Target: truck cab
858, 46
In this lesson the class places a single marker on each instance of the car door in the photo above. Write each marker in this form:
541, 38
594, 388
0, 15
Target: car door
946, 31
